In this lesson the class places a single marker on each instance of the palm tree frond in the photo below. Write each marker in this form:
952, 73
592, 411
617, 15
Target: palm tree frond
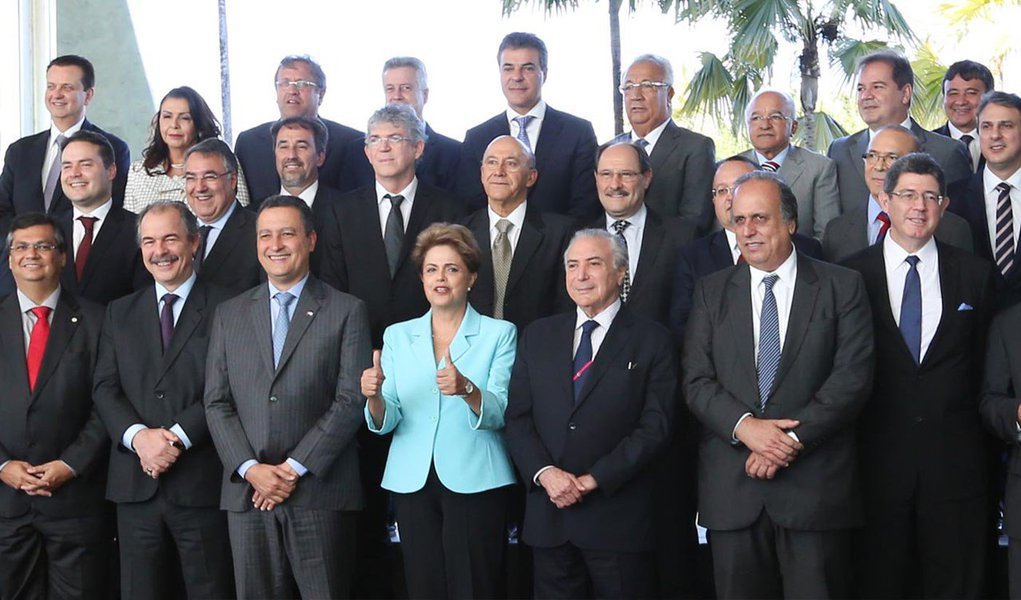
827, 129
847, 52
927, 93
709, 90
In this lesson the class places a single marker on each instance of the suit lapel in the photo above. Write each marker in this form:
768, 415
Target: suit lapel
304, 313
665, 146
616, 339
875, 280
560, 358
482, 292
422, 344
545, 148
651, 241
858, 149
739, 319
102, 243
259, 317
806, 289
66, 320
225, 243
528, 242
720, 251
950, 292
792, 167
417, 221
191, 317
469, 329
12, 340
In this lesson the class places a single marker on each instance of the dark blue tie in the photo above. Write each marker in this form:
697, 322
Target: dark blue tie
583, 357
911, 309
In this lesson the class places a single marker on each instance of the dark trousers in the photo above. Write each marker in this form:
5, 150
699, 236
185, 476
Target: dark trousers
567, 571
453, 544
292, 551
55, 558
158, 537
766, 560
1014, 565
374, 554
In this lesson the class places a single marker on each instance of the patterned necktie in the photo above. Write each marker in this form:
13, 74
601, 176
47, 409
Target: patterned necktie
769, 341
89, 223
583, 357
771, 166
884, 226
625, 288
1004, 249
283, 322
502, 256
393, 236
167, 319
642, 143
37, 343
53, 177
967, 140
523, 122
911, 309
201, 254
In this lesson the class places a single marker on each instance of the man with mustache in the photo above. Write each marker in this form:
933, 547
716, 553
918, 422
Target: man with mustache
164, 472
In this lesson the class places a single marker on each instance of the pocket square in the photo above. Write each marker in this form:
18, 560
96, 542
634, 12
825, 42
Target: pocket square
631, 365
965, 306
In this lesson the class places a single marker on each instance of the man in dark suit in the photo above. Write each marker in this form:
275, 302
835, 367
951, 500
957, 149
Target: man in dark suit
920, 438
405, 81
718, 250
521, 277
585, 449
226, 256
164, 473
564, 146
283, 405
964, 84
885, 83
862, 227
54, 530
681, 158
301, 86
777, 363
106, 262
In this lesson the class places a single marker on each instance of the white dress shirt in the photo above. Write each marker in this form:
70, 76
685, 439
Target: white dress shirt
974, 148
534, 128
992, 197
308, 194
78, 230
928, 272
517, 219
383, 204
652, 137
735, 249
633, 235
783, 291
53, 150
874, 225
217, 228
778, 159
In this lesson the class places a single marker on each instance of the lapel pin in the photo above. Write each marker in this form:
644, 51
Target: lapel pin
74, 319
309, 313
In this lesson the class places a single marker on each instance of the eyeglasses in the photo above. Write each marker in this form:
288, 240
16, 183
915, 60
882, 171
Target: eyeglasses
40, 247
607, 174
912, 196
374, 140
875, 157
722, 191
774, 119
299, 85
645, 86
208, 178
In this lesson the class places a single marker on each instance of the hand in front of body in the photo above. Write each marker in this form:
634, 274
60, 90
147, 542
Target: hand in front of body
372, 387
273, 484
157, 449
563, 488
451, 382
769, 439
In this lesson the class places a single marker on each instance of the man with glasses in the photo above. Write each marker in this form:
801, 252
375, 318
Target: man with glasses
921, 445
681, 159
301, 86
772, 120
866, 225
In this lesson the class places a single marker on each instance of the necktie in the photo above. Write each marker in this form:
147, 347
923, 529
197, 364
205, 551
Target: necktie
37, 343
167, 319
769, 341
203, 243
771, 166
393, 236
642, 143
1004, 252
911, 309
283, 322
583, 357
53, 176
85, 247
967, 140
523, 122
884, 226
740, 259
625, 288
501, 265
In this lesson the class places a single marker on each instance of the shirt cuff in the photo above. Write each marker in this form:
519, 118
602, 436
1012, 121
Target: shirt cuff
535, 479
69, 468
733, 434
177, 430
129, 436
297, 466
794, 436
4, 465
248, 464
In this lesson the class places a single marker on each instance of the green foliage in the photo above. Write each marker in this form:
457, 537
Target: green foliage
927, 95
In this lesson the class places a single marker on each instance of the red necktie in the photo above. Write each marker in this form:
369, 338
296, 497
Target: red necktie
740, 259
83, 248
884, 219
37, 343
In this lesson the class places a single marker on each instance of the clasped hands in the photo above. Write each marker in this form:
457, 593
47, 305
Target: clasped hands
158, 449
565, 489
772, 447
273, 484
36, 480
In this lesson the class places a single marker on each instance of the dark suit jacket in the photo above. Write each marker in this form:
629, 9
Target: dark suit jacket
57, 420
848, 234
565, 157
709, 255
254, 149
618, 425
944, 130
438, 166
233, 262
824, 379
652, 282
920, 432
847, 152
114, 267
322, 207
354, 257
535, 285
308, 408
137, 383
683, 164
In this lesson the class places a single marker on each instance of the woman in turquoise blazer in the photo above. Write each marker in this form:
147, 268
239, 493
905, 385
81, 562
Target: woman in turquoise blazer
440, 385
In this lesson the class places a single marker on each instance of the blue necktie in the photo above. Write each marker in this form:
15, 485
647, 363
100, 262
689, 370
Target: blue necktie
769, 341
283, 321
523, 122
583, 357
911, 309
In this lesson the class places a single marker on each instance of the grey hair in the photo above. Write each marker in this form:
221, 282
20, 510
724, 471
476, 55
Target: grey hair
617, 247
400, 115
411, 62
788, 201
191, 224
659, 61
788, 102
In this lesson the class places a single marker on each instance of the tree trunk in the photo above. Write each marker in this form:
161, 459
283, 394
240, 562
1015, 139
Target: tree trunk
809, 60
618, 101
225, 73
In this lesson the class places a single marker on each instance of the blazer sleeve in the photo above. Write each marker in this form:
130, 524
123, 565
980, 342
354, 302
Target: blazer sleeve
221, 411
392, 414
333, 267
114, 407
826, 197
494, 397
526, 448
89, 449
999, 402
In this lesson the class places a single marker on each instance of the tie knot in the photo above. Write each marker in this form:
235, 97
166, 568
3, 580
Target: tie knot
620, 226
284, 299
588, 326
59, 141
395, 200
204, 230
883, 218
88, 222
771, 166
967, 139
503, 226
642, 143
524, 120
41, 312
769, 281
1003, 188
169, 299
912, 260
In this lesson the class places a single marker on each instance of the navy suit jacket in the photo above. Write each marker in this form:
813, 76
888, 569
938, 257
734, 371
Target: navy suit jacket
233, 262
438, 166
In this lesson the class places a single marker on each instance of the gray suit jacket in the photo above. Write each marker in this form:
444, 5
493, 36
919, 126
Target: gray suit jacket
847, 153
308, 408
813, 178
848, 234
683, 163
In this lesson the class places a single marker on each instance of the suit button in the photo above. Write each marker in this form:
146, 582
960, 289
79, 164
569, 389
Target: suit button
159, 395
272, 398
436, 391
572, 426
434, 419
919, 419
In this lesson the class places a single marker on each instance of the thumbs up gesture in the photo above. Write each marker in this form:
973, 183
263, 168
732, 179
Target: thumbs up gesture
372, 378
448, 379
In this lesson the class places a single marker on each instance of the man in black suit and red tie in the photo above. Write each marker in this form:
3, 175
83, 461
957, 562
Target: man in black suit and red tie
920, 437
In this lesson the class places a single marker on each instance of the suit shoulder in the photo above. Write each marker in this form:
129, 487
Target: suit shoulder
485, 127
21, 144
438, 139
254, 132
491, 326
541, 328
811, 156
970, 262
558, 222
90, 309
342, 133
568, 118
693, 137
838, 273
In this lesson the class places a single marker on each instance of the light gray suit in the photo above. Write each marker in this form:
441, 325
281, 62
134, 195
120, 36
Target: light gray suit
813, 178
848, 234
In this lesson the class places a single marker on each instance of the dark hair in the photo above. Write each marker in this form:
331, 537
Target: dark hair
899, 65
32, 219
320, 133
96, 139
643, 157
458, 237
918, 163
520, 39
206, 126
969, 70
191, 224
740, 159
281, 201
73, 60
1000, 99
218, 147
317, 71
788, 201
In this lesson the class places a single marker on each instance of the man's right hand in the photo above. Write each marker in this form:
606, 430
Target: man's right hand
769, 439
156, 450
562, 488
16, 475
273, 484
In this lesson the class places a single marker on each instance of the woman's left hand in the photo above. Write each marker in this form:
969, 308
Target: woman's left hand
449, 379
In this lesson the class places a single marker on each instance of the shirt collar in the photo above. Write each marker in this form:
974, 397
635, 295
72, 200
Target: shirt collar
786, 270
308, 194
893, 254
516, 217
55, 131
956, 133
408, 192
906, 125
990, 180
778, 159
99, 212
636, 220
874, 209
295, 289
219, 223
181, 292
653, 136
27, 304
731, 240
604, 318
538, 111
